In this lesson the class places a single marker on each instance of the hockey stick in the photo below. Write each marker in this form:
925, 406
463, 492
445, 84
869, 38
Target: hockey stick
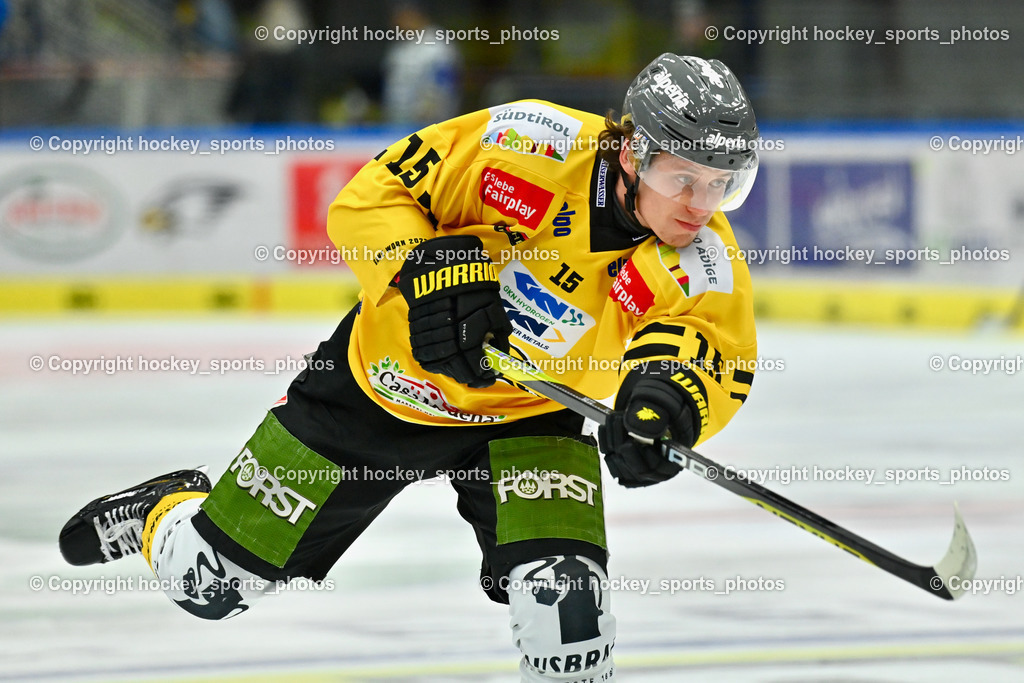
960, 560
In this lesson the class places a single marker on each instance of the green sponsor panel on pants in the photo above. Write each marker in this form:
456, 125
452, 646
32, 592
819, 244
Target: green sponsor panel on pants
271, 492
547, 487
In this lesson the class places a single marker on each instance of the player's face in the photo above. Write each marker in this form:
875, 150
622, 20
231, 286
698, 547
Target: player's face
676, 204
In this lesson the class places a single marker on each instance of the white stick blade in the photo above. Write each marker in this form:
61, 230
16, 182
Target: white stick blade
961, 560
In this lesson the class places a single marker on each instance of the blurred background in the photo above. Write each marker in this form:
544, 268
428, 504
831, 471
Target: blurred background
165, 172
888, 124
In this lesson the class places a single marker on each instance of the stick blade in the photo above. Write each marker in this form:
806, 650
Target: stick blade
960, 561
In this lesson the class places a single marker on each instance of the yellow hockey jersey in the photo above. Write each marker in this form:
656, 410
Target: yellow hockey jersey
583, 295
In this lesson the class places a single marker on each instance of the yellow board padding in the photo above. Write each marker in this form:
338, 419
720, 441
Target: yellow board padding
889, 305
177, 295
834, 302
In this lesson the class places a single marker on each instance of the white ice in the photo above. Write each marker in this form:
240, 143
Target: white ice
405, 605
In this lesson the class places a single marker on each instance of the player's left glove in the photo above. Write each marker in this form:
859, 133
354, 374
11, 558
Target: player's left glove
649, 406
454, 307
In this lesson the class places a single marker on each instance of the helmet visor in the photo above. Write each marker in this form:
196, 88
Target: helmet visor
698, 186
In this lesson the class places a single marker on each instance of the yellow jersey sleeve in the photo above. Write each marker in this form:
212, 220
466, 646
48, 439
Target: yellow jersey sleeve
700, 314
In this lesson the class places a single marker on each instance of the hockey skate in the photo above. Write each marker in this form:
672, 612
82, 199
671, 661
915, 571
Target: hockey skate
111, 527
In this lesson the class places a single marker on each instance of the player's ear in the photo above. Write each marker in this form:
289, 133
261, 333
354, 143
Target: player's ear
624, 160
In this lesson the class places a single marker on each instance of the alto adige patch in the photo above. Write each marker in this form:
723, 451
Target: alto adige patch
701, 267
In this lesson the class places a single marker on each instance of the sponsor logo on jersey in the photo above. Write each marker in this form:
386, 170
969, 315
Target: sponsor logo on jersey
514, 197
253, 477
602, 185
564, 217
390, 382
546, 485
533, 129
670, 259
701, 267
615, 266
514, 237
539, 317
511, 139
631, 292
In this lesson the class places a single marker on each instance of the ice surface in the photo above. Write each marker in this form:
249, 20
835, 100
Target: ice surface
405, 605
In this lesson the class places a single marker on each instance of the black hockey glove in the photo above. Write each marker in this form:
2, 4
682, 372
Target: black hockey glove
454, 307
649, 405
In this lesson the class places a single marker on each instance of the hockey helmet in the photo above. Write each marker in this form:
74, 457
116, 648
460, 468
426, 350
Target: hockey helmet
696, 110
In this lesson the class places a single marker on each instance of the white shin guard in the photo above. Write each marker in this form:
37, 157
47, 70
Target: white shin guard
561, 620
194, 575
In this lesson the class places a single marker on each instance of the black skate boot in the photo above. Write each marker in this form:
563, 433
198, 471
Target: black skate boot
110, 527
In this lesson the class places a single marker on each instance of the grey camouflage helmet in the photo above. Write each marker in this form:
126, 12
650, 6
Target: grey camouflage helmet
692, 108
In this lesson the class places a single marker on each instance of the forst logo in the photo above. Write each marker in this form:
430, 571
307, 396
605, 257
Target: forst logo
283, 501
248, 472
546, 485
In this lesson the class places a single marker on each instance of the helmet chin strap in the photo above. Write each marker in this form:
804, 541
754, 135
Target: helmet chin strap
629, 215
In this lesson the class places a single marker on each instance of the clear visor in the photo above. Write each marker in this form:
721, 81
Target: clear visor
698, 186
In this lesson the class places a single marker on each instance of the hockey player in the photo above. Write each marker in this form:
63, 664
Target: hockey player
594, 247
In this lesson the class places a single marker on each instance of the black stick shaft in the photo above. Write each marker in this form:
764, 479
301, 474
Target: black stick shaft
921, 576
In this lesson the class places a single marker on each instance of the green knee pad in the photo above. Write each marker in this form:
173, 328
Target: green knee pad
271, 492
547, 487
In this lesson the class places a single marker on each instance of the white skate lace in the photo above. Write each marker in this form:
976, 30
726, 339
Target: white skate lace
123, 527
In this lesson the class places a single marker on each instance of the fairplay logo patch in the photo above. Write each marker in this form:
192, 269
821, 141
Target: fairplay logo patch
514, 197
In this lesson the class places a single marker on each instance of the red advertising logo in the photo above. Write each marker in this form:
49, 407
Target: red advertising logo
314, 185
514, 197
631, 292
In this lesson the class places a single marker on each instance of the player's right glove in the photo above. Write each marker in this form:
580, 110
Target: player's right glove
454, 307
649, 406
